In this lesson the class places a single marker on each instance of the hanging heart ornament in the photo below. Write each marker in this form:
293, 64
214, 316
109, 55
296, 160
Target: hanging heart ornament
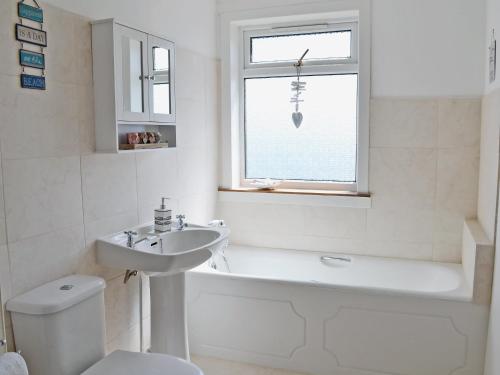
298, 87
297, 119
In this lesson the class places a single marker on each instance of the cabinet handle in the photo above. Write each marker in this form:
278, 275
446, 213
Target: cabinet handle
145, 77
152, 78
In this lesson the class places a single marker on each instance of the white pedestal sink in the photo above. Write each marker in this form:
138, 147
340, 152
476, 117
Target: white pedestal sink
164, 257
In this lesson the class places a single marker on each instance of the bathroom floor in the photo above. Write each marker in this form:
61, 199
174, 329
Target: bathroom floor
214, 366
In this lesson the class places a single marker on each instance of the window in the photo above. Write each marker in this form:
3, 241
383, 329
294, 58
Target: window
323, 152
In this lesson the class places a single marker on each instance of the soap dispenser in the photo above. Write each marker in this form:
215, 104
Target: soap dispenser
163, 217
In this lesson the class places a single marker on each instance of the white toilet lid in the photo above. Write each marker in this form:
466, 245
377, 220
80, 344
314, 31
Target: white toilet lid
130, 363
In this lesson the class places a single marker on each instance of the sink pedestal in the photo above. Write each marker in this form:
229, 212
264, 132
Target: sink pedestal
168, 315
165, 257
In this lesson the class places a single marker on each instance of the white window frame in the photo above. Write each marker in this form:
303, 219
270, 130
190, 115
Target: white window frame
300, 28
283, 69
235, 66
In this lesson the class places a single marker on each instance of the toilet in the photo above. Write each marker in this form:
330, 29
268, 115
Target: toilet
59, 329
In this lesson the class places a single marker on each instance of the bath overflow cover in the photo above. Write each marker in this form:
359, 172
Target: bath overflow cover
66, 287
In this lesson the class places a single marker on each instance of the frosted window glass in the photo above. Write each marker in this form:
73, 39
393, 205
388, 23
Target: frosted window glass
327, 45
322, 149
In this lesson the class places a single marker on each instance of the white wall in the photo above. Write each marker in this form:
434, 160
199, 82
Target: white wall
427, 47
492, 365
422, 48
492, 22
190, 23
59, 194
489, 182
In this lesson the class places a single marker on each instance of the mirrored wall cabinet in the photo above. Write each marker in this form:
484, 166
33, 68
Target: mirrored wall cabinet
134, 85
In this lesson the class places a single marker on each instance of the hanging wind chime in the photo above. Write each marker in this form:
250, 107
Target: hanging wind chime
298, 87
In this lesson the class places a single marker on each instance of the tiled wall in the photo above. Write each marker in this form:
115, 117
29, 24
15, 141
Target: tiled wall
488, 198
59, 196
424, 166
488, 176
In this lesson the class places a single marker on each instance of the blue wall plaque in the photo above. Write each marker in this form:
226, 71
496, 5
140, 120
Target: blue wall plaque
31, 59
32, 82
30, 13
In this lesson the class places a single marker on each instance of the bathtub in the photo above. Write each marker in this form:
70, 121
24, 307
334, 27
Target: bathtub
335, 314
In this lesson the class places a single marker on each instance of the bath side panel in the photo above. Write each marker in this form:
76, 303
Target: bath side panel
323, 330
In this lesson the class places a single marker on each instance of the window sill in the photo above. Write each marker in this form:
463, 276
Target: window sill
296, 197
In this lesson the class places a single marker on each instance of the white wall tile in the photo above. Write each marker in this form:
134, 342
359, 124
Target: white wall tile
9, 63
108, 185
3, 222
108, 225
68, 52
264, 218
60, 56
157, 177
38, 124
459, 122
42, 195
335, 222
122, 306
85, 97
38, 260
301, 242
446, 252
447, 236
83, 50
457, 180
88, 265
127, 339
192, 170
403, 122
191, 130
403, 177
198, 208
101, 227
400, 225
488, 168
5, 275
212, 121
399, 249
190, 79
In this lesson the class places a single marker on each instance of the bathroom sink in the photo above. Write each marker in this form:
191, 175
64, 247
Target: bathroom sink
161, 252
164, 257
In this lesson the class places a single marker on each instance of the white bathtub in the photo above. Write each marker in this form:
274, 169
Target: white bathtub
344, 315
381, 275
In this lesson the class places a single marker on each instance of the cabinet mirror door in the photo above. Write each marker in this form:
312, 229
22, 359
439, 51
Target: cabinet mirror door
134, 73
162, 80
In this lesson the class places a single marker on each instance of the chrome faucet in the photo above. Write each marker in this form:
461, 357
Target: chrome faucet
181, 224
130, 237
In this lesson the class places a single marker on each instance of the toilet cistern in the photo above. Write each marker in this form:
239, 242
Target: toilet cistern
60, 329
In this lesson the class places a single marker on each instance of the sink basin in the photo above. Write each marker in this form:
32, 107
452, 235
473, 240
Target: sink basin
157, 252
164, 257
